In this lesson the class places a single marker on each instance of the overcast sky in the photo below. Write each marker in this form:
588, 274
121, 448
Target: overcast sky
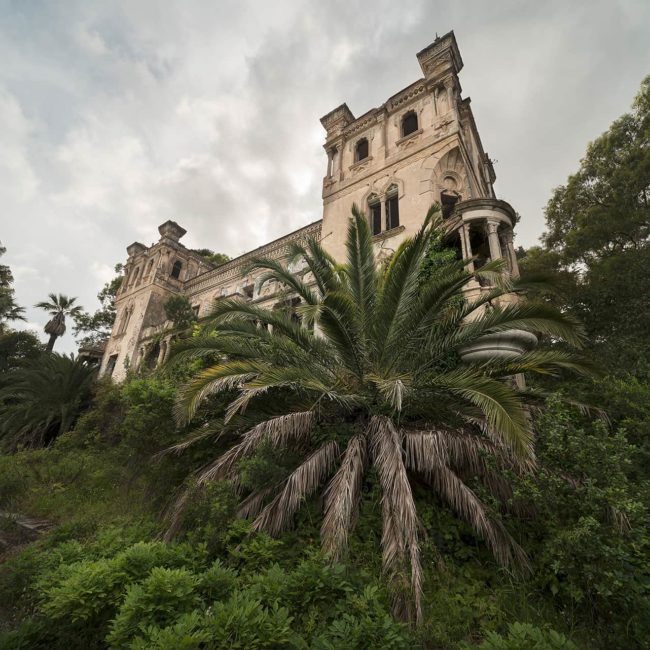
116, 116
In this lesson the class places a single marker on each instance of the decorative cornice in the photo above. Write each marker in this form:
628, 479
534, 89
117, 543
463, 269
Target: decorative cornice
273, 250
337, 119
406, 95
361, 122
444, 48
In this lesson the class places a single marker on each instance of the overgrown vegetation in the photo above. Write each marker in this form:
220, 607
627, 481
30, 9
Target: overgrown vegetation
101, 576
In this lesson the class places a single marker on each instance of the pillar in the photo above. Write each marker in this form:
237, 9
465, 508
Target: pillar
466, 247
161, 353
510, 249
493, 238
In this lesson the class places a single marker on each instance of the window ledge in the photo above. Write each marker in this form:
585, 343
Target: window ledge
361, 162
408, 137
388, 233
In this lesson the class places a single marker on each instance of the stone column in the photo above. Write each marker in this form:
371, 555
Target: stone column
493, 238
168, 349
161, 353
466, 247
330, 156
510, 249
382, 203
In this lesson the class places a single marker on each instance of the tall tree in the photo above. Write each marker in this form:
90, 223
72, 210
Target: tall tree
373, 386
59, 306
598, 241
9, 310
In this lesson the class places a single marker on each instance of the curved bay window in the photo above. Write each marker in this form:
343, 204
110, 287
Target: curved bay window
409, 123
176, 270
374, 210
392, 208
361, 150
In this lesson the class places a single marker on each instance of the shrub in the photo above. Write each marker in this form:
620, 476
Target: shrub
523, 636
158, 601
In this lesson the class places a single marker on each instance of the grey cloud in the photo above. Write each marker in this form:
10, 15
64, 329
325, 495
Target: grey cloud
126, 114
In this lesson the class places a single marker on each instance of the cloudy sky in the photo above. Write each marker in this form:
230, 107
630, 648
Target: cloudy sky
116, 116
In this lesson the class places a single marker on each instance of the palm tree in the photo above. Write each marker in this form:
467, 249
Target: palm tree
378, 383
59, 306
44, 399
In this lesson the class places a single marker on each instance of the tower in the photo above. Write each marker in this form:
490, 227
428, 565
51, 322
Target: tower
151, 275
419, 147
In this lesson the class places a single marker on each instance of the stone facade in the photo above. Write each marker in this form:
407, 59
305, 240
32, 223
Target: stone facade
419, 147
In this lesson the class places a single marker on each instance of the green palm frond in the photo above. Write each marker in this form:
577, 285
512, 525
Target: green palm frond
372, 375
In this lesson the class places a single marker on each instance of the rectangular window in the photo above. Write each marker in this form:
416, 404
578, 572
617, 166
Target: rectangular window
392, 212
110, 366
375, 218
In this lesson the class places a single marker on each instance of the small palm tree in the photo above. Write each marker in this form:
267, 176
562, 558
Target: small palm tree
378, 383
44, 399
59, 306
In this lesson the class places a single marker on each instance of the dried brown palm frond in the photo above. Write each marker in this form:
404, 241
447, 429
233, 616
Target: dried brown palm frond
252, 505
342, 498
302, 482
276, 431
461, 449
175, 515
469, 507
400, 544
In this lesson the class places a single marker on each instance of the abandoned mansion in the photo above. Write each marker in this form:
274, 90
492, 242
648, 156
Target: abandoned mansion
421, 146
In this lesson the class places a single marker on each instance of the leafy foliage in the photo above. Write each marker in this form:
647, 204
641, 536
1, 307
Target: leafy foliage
44, 399
373, 388
92, 328
9, 310
211, 256
178, 309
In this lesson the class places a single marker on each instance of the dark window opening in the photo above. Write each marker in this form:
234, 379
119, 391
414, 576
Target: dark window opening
110, 366
375, 217
480, 246
392, 211
151, 358
361, 149
289, 307
409, 123
196, 309
176, 270
448, 202
453, 241
248, 291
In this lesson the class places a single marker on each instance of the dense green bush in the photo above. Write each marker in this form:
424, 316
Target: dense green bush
523, 636
153, 594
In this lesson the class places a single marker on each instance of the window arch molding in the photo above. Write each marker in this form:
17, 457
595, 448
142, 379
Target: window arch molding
390, 182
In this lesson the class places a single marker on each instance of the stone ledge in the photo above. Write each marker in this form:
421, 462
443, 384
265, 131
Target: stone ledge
408, 137
388, 233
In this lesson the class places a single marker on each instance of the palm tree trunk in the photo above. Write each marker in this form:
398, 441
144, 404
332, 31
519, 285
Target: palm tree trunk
50, 343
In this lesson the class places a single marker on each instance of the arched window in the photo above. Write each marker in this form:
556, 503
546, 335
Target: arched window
374, 213
125, 320
449, 196
149, 269
176, 269
136, 276
392, 208
361, 150
409, 123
